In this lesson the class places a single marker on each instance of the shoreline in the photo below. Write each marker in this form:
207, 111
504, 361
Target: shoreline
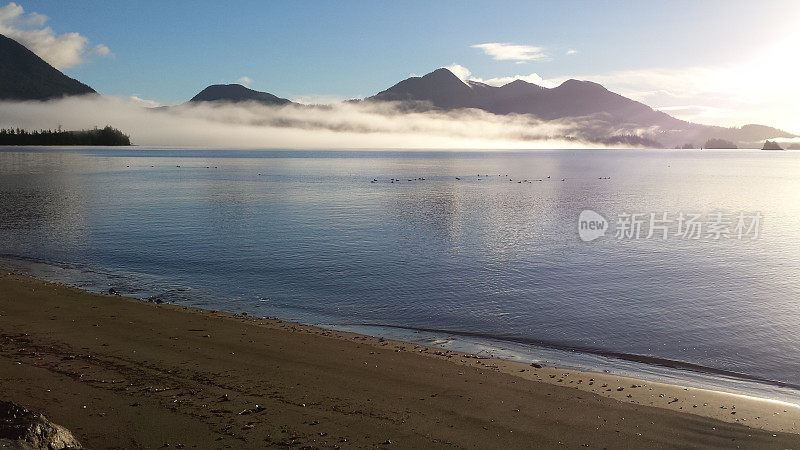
85, 358
671, 365
633, 366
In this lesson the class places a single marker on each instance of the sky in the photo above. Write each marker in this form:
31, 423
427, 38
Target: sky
717, 62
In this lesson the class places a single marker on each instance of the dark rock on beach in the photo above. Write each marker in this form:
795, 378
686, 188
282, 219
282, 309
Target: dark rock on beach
24, 429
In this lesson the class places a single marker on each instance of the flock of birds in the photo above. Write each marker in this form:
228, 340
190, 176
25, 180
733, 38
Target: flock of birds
482, 177
397, 180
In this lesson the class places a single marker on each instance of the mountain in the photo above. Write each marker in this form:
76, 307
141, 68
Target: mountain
573, 98
441, 88
591, 103
236, 93
25, 76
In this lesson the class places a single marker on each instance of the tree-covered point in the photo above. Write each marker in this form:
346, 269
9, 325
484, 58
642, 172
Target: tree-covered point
719, 143
98, 136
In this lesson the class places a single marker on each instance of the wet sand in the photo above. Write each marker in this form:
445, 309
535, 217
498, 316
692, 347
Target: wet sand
120, 372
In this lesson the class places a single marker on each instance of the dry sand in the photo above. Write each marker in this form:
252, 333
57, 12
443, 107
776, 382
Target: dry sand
123, 373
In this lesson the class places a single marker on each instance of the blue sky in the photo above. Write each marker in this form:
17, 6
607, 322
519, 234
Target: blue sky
169, 50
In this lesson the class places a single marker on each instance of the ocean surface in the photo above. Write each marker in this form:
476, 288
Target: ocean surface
468, 250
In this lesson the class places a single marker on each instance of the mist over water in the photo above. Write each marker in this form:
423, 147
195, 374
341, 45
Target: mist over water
363, 125
306, 235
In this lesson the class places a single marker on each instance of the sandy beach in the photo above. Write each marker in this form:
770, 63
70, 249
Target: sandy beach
123, 373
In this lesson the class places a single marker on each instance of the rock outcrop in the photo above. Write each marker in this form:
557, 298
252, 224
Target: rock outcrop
21, 428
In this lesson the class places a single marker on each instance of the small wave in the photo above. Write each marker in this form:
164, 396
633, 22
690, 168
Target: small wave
631, 357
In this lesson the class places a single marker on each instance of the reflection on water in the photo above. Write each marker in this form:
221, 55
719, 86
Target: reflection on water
306, 235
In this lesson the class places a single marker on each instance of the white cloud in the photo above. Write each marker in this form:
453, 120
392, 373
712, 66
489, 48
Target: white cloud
466, 75
503, 51
571, 52
144, 102
244, 80
460, 71
61, 51
318, 99
101, 50
532, 78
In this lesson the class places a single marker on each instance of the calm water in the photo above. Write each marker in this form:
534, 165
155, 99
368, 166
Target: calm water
307, 236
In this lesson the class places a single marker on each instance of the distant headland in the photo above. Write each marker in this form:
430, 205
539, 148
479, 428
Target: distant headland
107, 136
719, 144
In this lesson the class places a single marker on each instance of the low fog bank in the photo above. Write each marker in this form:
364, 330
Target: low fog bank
341, 126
